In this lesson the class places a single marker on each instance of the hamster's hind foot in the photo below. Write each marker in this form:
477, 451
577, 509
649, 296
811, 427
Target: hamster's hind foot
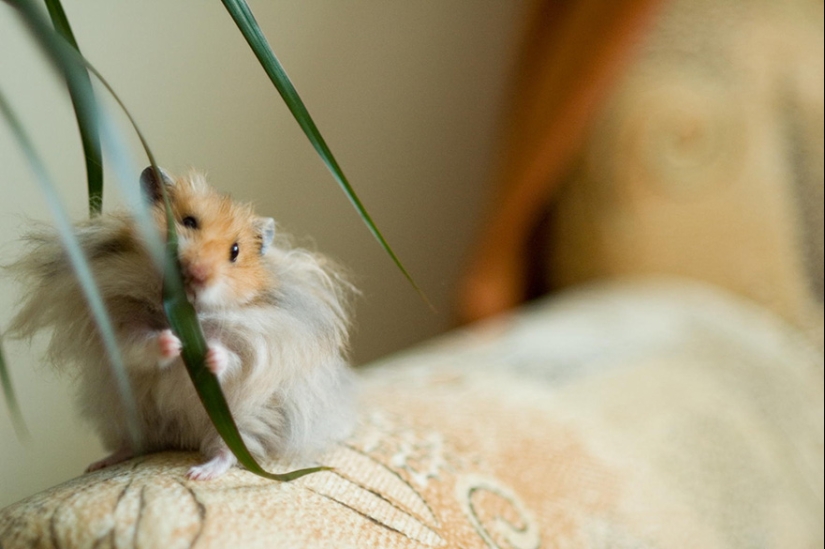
213, 468
119, 456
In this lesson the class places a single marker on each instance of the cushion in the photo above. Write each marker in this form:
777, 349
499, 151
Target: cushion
648, 414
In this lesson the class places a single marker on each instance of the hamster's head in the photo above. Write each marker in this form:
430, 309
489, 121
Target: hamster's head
221, 243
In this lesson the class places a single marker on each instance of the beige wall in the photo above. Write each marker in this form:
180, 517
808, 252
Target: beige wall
406, 93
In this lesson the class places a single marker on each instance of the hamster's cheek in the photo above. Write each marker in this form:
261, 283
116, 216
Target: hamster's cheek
217, 294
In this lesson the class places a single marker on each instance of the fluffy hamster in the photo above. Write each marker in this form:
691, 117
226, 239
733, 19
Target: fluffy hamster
275, 320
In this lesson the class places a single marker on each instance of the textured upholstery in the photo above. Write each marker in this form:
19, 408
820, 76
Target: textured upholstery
652, 415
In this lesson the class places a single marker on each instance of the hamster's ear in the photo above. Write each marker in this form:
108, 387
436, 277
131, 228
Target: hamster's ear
266, 230
150, 185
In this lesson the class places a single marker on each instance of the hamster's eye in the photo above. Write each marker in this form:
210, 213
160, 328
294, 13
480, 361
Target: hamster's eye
233, 252
190, 222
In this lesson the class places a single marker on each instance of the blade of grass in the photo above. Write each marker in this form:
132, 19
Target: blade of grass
11, 399
79, 88
245, 20
180, 313
81, 268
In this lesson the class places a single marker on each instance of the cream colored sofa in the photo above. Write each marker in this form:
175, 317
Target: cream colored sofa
654, 414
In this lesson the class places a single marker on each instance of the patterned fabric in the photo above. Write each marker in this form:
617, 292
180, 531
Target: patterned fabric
646, 415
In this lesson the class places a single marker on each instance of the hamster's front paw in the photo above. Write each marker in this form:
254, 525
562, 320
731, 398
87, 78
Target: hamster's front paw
169, 347
217, 359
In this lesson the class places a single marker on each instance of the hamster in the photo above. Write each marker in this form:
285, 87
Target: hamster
275, 317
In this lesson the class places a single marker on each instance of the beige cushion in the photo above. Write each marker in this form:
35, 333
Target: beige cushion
655, 414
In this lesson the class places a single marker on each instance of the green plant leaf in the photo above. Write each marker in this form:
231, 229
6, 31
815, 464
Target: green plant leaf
245, 20
80, 266
11, 398
79, 88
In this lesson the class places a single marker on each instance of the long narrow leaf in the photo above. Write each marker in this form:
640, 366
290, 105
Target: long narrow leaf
81, 268
245, 20
80, 88
11, 399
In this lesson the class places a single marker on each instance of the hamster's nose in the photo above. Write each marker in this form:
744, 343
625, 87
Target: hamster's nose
197, 273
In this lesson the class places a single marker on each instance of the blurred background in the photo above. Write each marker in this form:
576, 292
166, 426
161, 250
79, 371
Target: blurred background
407, 95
